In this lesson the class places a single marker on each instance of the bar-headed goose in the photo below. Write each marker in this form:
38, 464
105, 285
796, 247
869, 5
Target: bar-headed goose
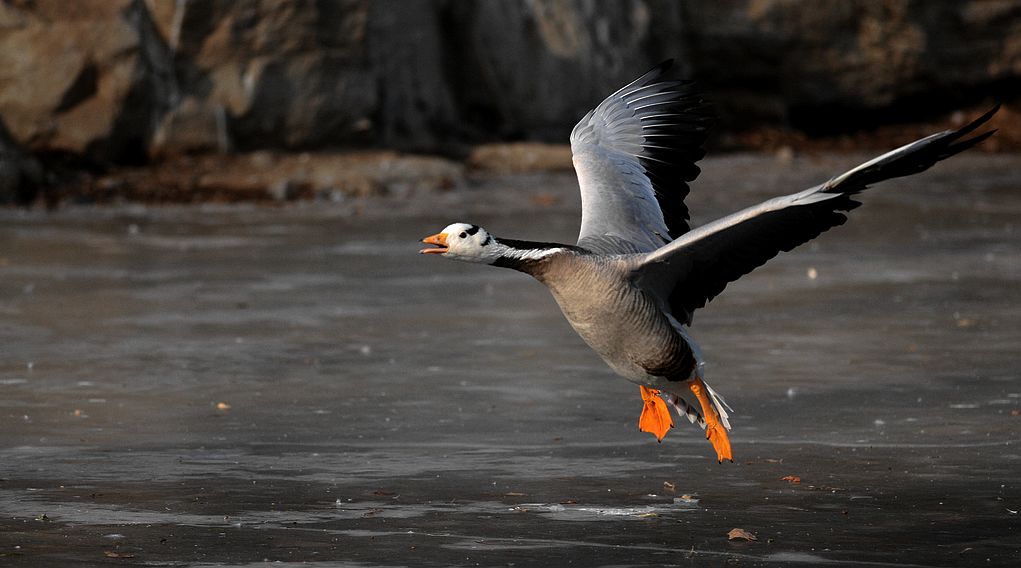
630, 285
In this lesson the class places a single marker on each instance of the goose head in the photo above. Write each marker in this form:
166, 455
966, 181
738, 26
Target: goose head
465, 242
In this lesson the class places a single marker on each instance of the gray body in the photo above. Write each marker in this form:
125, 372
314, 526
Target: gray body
626, 325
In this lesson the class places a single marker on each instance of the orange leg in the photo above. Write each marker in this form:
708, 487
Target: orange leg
655, 417
714, 431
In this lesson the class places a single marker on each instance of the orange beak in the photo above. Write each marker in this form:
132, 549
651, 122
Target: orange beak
440, 240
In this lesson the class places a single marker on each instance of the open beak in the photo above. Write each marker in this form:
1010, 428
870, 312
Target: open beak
440, 240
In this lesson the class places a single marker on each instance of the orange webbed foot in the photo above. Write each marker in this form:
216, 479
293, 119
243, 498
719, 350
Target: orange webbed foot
655, 418
717, 436
715, 432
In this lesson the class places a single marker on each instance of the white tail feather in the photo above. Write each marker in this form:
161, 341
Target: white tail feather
692, 411
720, 405
684, 409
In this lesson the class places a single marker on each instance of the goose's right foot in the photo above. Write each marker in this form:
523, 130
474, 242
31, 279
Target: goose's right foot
655, 417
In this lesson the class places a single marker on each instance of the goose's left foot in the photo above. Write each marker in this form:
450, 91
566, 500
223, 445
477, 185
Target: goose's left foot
715, 432
655, 417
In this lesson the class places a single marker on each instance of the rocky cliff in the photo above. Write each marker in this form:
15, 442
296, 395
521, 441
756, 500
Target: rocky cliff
124, 80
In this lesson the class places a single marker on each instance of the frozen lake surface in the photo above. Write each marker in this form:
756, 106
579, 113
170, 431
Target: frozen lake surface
225, 386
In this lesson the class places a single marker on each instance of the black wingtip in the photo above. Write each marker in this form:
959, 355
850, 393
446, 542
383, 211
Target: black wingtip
658, 71
992, 111
647, 78
666, 64
971, 126
965, 144
984, 118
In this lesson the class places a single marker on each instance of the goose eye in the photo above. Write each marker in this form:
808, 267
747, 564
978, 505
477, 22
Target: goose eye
463, 235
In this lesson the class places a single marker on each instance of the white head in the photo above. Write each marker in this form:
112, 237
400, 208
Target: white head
461, 241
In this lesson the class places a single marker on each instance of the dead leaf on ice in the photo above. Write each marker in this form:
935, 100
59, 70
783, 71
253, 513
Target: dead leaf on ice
735, 534
791, 479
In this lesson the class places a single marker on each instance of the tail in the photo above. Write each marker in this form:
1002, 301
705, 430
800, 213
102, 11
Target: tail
691, 411
909, 159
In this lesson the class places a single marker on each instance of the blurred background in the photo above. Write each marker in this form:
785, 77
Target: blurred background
181, 100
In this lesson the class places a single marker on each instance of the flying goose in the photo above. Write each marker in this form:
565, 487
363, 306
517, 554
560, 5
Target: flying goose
638, 272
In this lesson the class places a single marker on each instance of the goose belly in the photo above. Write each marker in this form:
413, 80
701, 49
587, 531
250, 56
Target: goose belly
629, 331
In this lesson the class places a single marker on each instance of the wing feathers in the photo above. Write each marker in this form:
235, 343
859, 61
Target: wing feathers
912, 158
633, 154
649, 75
693, 269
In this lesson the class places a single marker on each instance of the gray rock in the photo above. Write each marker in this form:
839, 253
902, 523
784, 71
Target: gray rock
827, 67
279, 74
532, 69
123, 80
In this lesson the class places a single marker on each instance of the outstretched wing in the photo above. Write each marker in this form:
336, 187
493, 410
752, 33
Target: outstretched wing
634, 154
693, 269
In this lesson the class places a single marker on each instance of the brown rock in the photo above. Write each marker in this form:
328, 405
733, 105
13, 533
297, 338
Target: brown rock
192, 127
280, 73
521, 157
20, 173
124, 79
86, 77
